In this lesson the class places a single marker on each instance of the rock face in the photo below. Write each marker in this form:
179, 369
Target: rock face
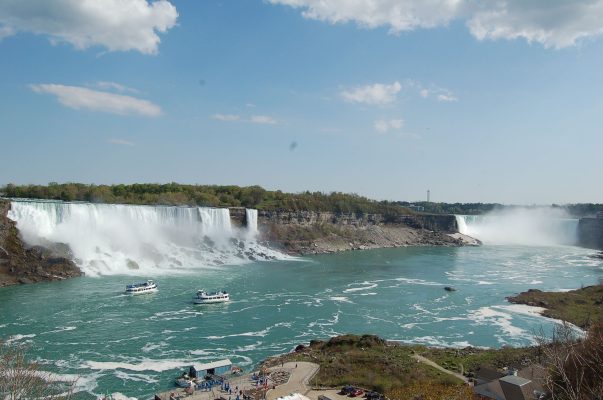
22, 264
307, 232
590, 233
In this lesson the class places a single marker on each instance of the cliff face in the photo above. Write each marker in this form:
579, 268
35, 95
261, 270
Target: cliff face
22, 264
590, 233
307, 232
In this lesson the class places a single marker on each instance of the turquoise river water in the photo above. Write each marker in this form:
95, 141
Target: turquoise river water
87, 327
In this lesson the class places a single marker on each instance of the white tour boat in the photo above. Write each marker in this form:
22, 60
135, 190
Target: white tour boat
204, 297
141, 288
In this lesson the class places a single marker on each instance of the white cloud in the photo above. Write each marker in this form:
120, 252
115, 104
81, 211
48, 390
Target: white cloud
118, 25
446, 97
440, 94
83, 98
377, 94
120, 142
384, 126
262, 119
554, 24
226, 117
105, 85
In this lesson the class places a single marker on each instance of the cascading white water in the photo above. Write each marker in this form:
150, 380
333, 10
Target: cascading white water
521, 226
215, 221
251, 218
123, 239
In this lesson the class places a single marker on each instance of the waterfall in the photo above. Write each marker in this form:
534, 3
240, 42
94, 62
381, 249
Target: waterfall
125, 239
215, 221
543, 226
251, 218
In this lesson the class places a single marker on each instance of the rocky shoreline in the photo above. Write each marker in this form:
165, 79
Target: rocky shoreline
20, 264
309, 232
580, 307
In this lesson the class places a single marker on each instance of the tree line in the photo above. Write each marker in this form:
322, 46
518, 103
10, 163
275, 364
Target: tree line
206, 195
257, 197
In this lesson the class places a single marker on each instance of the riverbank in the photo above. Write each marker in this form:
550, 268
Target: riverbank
580, 307
20, 264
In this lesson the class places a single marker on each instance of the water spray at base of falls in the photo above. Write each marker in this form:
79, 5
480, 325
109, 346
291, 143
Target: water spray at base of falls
106, 239
543, 226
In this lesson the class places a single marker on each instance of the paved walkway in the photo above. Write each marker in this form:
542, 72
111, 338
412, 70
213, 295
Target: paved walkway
440, 368
299, 381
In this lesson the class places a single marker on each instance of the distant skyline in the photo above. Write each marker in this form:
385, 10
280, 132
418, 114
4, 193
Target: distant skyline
496, 102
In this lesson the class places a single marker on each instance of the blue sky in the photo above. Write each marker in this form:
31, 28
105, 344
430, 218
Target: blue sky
491, 103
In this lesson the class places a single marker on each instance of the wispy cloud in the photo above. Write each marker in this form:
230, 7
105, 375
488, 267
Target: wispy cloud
226, 117
383, 126
263, 119
120, 142
79, 98
117, 25
446, 97
105, 85
376, 94
433, 91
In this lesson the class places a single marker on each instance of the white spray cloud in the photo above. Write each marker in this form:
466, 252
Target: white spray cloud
539, 226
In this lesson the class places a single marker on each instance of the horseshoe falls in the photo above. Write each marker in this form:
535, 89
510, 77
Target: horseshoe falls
108, 239
521, 226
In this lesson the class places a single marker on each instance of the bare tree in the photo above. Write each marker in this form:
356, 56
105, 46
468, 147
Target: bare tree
575, 363
22, 379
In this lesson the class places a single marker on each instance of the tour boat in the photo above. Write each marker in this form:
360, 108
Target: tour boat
141, 288
204, 297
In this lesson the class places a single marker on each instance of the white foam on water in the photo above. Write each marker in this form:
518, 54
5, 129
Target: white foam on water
356, 289
153, 346
61, 329
18, 337
143, 365
326, 322
435, 341
490, 316
417, 282
261, 333
341, 299
135, 377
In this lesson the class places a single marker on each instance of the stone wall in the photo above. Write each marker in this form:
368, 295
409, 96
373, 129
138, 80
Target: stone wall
434, 222
590, 233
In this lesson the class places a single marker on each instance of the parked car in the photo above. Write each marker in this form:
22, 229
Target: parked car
347, 390
356, 392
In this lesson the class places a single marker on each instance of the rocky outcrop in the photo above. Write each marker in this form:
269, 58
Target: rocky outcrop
590, 233
308, 232
22, 264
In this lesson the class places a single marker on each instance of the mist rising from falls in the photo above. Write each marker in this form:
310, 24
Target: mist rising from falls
542, 226
109, 239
